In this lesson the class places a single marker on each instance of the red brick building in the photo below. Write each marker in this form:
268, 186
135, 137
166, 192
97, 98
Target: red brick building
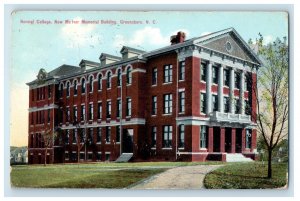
193, 100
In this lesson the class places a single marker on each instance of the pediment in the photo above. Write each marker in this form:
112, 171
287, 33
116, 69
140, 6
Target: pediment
230, 43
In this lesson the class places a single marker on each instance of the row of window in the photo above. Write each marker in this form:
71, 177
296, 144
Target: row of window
74, 136
226, 102
41, 93
168, 103
99, 110
99, 85
72, 156
40, 117
226, 77
168, 73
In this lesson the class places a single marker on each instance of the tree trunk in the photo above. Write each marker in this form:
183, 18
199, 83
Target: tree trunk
269, 163
45, 157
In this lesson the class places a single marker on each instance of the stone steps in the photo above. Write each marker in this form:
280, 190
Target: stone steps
237, 158
125, 157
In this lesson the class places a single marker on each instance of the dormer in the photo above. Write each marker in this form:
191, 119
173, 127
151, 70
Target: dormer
108, 59
86, 65
129, 52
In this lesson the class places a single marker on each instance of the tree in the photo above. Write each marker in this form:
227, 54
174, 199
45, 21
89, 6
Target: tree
272, 95
48, 140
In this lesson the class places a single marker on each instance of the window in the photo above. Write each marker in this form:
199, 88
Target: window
99, 156
90, 156
118, 107
91, 111
168, 73
215, 75
153, 136
128, 76
48, 116
75, 113
82, 135
60, 91
74, 136
75, 87
203, 103
248, 138
100, 82
67, 136
68, 89
181, 102
237, 105
67, 114
108, 134
82, 116
99, 112
83, 86
154, 105
128, 109
49, 91
181, 70
181, 137
118, 133
203, 137
67, 156
99, 135
167, 142
167, 103
119, 77
247, 108
203, 71
226, 77
226, 104
236, 79
82, 155
248, 81
108, 80
215, 102
90, 135
108, 109
154, 76
91, 84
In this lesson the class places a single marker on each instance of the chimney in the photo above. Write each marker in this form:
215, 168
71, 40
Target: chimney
179, 38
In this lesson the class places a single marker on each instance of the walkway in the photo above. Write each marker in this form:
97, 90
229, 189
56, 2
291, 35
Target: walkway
186, 177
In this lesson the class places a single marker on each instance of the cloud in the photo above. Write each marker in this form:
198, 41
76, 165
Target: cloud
268, 39
148, 36
80, 34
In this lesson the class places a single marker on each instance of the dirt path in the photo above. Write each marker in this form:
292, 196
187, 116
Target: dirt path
187, 177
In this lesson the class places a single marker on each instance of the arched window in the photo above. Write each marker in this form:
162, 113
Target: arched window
100, 82
91, 84
119, 76
75, 87
68, 89
108, 80
128, 76
60, 89
83, 86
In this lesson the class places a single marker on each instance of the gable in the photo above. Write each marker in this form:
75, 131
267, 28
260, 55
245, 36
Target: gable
229, 44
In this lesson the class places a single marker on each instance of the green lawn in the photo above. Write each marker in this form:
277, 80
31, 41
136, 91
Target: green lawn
93, 175
246, 176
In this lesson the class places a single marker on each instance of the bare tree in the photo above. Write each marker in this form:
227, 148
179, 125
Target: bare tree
47, 137
272, 94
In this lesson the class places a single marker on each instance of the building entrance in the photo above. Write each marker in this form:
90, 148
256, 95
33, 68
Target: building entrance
127, 141
238, 141
228, 140
217, 133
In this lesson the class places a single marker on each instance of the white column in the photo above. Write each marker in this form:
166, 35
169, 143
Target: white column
231, 91
220, 89
208, 87
242, 83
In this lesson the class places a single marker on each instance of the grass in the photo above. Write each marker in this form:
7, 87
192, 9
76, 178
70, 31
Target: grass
246, 176
92, 175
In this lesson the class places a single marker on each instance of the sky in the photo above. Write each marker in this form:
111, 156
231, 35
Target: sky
48, 46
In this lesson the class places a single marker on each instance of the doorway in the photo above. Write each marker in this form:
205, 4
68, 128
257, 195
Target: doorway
238, 141
127, 141
217, 133
228, 140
